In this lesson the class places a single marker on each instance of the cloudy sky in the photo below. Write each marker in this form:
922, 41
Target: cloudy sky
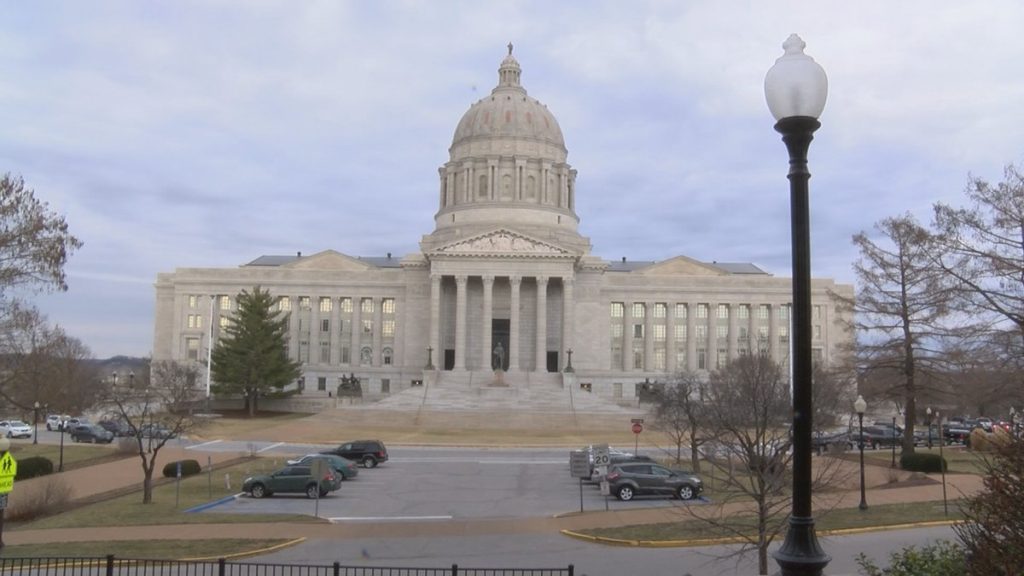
181, 134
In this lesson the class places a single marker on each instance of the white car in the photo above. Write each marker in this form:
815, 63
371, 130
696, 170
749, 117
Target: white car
56, 421
15, 429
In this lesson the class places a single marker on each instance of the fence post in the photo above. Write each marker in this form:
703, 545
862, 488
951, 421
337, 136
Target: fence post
455, 570
220, 567
571, 570
337, 568
110, 565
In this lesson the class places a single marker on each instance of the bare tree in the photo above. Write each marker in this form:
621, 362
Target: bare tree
901, 306
678, 412
156, 406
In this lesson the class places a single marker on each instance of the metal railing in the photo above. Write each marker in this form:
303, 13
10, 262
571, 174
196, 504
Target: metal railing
111, 566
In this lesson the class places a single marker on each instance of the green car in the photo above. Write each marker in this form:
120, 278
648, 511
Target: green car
292, 479
345, 468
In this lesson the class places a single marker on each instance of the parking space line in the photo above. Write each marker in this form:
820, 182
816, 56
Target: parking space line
271, 447
203, 445
386, 518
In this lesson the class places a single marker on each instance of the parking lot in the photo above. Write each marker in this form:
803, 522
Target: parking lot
451, 483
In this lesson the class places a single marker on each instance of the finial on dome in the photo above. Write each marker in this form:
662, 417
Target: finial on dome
509, 48
508, 72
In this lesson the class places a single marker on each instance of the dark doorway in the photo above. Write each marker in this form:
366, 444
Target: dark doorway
500, 328
449, 359
552, 360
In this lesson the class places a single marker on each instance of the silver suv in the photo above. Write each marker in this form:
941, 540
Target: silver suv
631, 479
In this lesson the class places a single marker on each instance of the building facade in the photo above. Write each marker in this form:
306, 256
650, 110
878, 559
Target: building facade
505, 280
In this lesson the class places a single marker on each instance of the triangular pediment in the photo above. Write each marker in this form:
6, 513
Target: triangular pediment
680, 266
329, 260
502, 242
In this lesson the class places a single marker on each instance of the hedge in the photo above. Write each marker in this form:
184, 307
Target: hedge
920, 462
33, 466
188, 468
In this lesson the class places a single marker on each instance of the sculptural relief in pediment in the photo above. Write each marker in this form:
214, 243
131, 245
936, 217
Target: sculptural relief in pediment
503, 242
330, 260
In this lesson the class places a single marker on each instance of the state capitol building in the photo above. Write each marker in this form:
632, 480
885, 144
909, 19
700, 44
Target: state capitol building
504, 279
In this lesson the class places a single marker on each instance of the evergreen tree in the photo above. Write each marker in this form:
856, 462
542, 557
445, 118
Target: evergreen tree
251, 358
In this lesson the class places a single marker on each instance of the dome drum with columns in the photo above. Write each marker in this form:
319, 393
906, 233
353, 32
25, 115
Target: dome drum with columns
502, 290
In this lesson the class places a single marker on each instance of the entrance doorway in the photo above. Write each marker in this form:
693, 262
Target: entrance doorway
500, 329
552, 360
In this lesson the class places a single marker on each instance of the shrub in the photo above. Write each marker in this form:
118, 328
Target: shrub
47, 496
979, 440
993, 530
918, 462
188, 468
941, 559
34, 466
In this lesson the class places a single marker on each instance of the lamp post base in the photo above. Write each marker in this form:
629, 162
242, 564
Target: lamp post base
800, 554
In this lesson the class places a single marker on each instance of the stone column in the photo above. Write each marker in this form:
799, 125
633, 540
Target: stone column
627, 337
335, 335
357, 330
691, 336
733, 330
712, 354
314, 329
649, 336
670, 338
513, 329
378, 331
568, 318
773, 331
486, 355
434, 336
542, 324
293, 327
460, 322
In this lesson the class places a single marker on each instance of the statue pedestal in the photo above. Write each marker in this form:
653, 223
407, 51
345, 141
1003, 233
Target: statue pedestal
499, 378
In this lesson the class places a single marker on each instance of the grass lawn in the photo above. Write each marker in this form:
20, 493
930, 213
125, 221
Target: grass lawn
236, 424
959, 459
689, 528
160, 549
169, 504
75, 455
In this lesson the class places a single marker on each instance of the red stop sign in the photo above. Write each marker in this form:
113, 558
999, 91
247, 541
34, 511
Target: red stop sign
637, 428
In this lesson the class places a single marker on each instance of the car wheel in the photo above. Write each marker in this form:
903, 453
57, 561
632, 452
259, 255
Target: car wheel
258, 491
323, 493
311, 492
624, 493
369, 461
685, 492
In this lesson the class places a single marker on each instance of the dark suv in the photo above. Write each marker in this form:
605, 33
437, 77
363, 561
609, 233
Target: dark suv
639, 478
369, 453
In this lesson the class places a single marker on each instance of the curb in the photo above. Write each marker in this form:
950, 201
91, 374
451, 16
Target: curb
256, 552
213, 504
737, 540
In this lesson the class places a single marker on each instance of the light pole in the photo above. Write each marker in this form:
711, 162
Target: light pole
796, 88
860, 406
430, 358
893, 465
942, 467
35, 422
928, 412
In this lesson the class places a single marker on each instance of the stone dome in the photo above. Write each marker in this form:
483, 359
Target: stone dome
509, 112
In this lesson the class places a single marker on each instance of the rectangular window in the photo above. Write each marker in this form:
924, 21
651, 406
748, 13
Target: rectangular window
325, 304
638, 360
387, 306
284, 304
225, 321
784, 312
744, 333
638, 330
366, 306
702, 359
681, 360
659, 332
744, 312
763, 312
783, 334
325, 352
816, 355
385, 385
367, 327
346, 305
702, 310
321, 383
618, 309
659, 359
723, 311
225, 303
762, 333
660, 310
388, 329
341, 326
817, 331
617, 389
638, 310
616, 330
680, 331
722, 358
702, 332
346, 356
681, 311
325, 325
193, 301
304, 303
816, 314
195, 321
192, 348
722, 331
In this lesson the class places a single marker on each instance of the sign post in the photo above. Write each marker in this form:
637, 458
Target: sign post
638, 427
8, 470
318, 467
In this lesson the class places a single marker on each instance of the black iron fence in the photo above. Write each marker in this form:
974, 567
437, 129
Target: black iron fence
111, 566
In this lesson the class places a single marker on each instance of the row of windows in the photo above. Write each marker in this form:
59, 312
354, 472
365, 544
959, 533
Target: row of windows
639, 310
701, 332
326, 304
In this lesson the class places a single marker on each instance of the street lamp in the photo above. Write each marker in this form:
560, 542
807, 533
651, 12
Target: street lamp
893, 465
860, 406
942, 467
430, 358
35, 422
796, 88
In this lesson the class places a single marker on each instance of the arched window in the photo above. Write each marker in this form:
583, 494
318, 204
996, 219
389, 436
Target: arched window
366, 356
388, 353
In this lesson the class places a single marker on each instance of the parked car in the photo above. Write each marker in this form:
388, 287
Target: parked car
928, 436
369, 453
156, 431
839, 438
644, 478
91, 433
877, 436
956, 433
345, 468
116, 427
71, 423
56, 421
291, 479
15, 429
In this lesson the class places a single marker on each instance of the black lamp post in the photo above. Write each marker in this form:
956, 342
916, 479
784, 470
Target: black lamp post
860, 406
568, 365
928, 414
796, 88
63, 431
893, 465
35, 422
430, 358
942, 467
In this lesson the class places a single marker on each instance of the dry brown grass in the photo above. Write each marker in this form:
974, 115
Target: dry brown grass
39, 499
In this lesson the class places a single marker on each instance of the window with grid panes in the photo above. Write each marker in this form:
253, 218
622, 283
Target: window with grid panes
618, 310
325, 304
702, 310
284, 304
659, 332
660, 309
638, 310
304, 303
681, 311
366, 306
723, 311
225, 303
388, 329
346, 305
388, 306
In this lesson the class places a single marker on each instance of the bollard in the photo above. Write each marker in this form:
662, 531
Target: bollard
227, 481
